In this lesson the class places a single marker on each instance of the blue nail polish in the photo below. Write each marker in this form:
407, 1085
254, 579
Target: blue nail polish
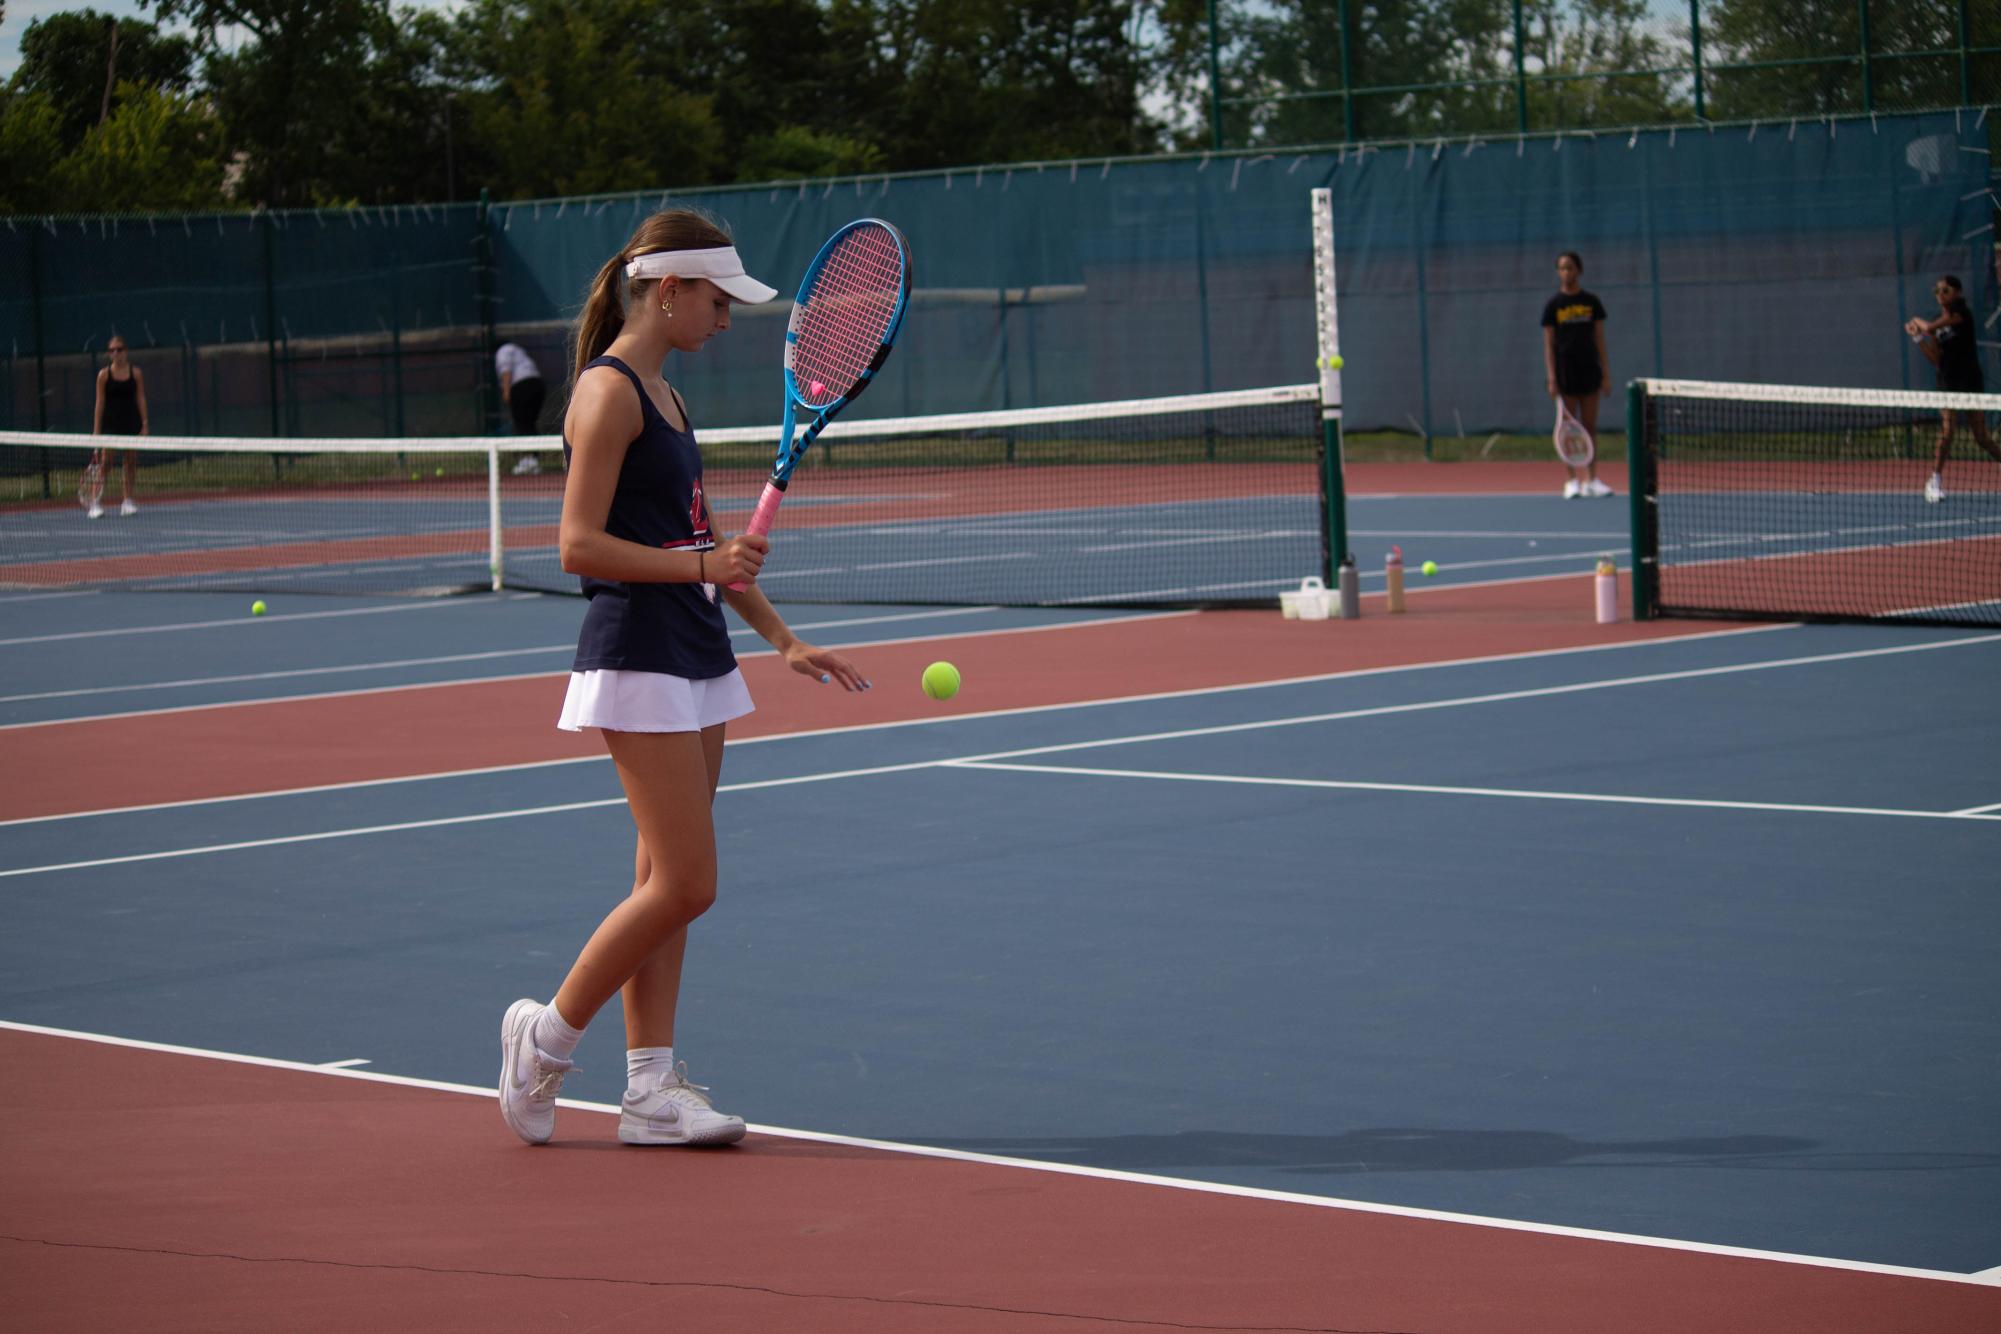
824, 678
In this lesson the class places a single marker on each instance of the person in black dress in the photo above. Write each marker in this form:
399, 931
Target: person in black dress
121, 410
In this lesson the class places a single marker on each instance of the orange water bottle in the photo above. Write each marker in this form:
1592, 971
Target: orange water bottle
1393, 577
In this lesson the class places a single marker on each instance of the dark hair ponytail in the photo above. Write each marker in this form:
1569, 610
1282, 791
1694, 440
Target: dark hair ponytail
604, 307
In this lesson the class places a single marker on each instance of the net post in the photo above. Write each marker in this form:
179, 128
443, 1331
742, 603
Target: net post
494, 549
1333, 487
1642, 502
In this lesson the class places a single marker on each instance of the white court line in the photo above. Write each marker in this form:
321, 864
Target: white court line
531, 676
1434, 789
1986, 1277
397, 663
961, 760
816, 733
349, 1064
1980, 810
432, 604
43, 597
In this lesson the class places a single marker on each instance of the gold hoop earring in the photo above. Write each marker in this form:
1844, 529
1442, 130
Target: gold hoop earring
668, 308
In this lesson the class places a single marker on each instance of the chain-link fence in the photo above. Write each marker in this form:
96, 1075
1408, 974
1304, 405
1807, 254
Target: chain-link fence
1286, 72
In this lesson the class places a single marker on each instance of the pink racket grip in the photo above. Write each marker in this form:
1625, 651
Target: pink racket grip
761, 518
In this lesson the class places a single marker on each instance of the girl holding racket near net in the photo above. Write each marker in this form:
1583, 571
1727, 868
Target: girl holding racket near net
1948, 342
1573, 358
654, 669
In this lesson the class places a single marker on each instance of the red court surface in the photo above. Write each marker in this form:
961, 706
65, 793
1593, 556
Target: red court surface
259, 747
159, 1191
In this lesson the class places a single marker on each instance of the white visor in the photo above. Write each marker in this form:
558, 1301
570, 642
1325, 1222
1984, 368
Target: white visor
720, 266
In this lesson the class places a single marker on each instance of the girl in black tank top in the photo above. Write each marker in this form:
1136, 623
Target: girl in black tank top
121, 410
653, 659
1949, 342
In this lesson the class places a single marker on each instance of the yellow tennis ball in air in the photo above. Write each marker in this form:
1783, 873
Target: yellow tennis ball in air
257, 608
1334, 363
1429, 567
941, 680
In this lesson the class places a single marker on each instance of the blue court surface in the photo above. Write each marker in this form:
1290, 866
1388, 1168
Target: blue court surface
1696, 938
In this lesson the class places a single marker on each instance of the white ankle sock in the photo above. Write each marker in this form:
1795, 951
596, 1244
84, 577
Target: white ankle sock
646, 1066
553, 1036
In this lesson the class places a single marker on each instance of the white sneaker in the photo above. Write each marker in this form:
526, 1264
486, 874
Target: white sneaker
95, 511
529, 1077
675, 1112
128, 507
1594, 487
1572, 489
1934, 490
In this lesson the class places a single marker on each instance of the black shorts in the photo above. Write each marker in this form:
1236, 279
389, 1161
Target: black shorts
524, 400
1578, 381
1962, 380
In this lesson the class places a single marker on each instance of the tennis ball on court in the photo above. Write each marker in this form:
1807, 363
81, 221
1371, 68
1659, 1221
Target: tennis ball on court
441, 472
1334, 363
941, 680
416, 477
1429, 567
257, 608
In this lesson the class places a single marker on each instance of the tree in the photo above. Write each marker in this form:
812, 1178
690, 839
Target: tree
288, 97
1571, 37
950, 82
157, 151
1830, 31
578, 97
66, 57
30, 147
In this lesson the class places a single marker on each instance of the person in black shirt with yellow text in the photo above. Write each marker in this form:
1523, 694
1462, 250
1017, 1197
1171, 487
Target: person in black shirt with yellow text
1573, 355
1948, 343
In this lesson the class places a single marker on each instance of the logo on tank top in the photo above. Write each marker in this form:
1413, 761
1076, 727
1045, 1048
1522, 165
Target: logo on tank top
698, 514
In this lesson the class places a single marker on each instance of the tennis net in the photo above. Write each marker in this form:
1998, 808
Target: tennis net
1210, 499
1802, 503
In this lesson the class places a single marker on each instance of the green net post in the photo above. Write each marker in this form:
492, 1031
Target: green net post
1334, 500
489, 379
1641, 497
269, 228
41, 361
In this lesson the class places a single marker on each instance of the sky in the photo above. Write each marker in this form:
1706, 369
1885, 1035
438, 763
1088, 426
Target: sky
20, 13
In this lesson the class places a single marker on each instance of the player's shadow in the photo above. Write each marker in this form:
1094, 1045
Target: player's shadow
1386, 1149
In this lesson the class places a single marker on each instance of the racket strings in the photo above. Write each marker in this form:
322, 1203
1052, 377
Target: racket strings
853, 301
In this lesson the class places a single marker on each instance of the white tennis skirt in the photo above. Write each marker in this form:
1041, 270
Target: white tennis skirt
652, 701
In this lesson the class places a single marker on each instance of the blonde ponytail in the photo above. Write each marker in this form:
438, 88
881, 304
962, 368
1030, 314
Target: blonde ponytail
604, 308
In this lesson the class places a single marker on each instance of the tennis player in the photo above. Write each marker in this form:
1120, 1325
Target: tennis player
121, 410
521, 387
1573, 358
1948, 342
654, 671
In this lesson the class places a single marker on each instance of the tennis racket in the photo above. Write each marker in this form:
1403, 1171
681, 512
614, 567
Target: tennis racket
844, 322
90, 485
1573, 443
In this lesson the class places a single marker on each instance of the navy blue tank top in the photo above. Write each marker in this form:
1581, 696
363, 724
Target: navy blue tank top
643, 627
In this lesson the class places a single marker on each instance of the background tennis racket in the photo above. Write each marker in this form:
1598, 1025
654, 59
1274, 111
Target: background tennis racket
90, 484
1573, 443
844, 322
